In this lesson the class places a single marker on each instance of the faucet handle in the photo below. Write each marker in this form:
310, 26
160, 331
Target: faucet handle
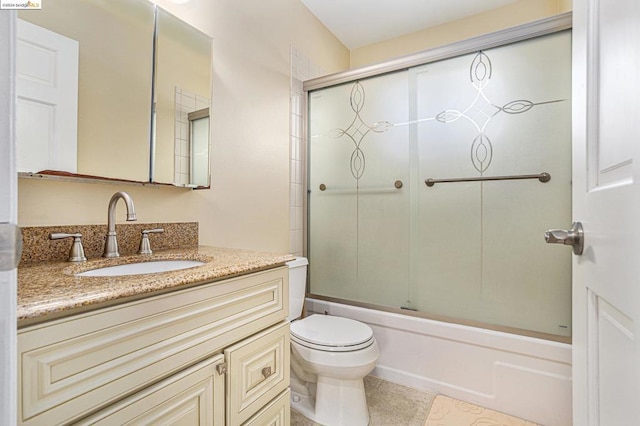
76, 254
145, 245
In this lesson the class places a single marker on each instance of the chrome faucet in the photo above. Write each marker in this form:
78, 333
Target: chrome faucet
111, 245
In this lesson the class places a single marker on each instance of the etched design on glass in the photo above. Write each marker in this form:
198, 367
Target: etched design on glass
358, 129
481, 153
480, 71
481, 111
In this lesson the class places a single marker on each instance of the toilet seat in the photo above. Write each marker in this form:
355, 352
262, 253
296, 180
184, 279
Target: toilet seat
331, 334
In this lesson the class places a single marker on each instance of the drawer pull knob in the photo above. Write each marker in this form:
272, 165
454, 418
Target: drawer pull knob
266, 372
222, 368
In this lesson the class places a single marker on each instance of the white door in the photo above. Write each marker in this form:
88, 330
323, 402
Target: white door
606, 197
8, 218
47, 89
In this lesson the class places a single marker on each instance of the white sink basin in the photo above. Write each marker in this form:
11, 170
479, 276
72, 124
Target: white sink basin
152, 267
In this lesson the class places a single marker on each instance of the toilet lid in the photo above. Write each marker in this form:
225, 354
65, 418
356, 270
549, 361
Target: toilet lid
331, 332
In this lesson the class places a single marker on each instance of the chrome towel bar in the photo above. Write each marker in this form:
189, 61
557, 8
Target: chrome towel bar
542, 177
397, 185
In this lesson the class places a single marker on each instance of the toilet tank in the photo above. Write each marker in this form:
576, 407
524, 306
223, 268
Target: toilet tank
297, 286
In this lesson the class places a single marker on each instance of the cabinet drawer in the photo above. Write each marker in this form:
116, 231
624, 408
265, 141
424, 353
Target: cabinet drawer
192, 397
76, 365
276, 413
258, 370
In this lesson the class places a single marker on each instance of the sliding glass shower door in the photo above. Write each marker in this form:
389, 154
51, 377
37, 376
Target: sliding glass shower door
358, 225
468, 246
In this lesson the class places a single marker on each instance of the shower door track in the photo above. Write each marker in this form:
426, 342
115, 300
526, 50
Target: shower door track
447, 319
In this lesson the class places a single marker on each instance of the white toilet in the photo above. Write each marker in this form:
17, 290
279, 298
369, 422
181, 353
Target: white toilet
329, 358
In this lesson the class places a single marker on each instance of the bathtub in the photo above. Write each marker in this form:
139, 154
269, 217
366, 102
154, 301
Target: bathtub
522, 376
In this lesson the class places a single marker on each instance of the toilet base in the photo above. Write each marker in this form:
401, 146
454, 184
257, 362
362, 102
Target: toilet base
303, 404
337, 403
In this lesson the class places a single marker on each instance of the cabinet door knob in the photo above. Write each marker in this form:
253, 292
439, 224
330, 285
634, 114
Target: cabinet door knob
221, 368
266, 372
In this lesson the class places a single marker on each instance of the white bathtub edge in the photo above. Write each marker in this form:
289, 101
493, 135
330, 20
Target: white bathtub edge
523, 376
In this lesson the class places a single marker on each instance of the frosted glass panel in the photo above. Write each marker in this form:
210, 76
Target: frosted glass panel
468, 250
358, 222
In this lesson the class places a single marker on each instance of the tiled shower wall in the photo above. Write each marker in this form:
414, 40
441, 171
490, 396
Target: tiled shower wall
301, 69
186, 102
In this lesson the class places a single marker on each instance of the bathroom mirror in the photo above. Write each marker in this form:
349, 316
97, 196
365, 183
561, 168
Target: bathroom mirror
182, 94
117, 135
115, 62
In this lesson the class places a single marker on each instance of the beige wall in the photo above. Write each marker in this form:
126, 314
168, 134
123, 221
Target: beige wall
248, 204
565, 5
498, 19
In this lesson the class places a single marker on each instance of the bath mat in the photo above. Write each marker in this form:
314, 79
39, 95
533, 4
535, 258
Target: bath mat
447, 411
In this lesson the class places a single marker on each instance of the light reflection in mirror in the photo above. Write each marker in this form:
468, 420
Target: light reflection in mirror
199, 144
182, 86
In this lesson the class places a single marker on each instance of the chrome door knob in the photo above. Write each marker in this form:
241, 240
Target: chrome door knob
572, 237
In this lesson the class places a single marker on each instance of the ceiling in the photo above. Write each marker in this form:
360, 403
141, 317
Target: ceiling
358, 23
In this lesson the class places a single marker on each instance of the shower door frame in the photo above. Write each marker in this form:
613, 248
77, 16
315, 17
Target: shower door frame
530, 30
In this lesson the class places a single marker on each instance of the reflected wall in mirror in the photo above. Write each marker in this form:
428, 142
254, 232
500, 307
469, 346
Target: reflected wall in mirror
182, 96
98, 55
114, 63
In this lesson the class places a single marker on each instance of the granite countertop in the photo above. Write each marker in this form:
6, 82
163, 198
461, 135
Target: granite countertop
48, 290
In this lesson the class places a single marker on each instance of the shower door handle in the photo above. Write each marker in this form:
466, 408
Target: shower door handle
572, 237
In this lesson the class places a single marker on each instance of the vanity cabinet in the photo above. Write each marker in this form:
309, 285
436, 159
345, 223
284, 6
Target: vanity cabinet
258, 371
214, 353
191, 397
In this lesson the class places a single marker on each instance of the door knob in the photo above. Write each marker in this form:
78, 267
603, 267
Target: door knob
572, 237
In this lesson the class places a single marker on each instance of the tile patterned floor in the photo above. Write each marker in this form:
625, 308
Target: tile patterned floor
389, 405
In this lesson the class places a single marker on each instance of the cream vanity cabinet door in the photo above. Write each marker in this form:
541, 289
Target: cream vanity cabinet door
257, 372
74, 366
192, 397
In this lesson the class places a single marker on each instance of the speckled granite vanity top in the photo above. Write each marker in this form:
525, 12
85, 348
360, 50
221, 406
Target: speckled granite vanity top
48, 290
